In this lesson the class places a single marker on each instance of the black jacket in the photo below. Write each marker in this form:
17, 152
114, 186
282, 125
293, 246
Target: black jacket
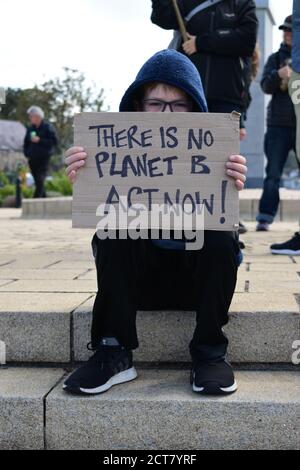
226, 37
45, 147
280, 109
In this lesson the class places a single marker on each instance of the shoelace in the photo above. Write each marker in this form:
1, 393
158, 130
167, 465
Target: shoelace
101, 354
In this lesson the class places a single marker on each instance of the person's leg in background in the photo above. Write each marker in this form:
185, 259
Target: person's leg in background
292, 246
278, 143
39, 172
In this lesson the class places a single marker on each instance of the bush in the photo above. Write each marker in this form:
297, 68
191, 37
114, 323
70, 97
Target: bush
60, 184
27, 193
10, 190
3, 179
7, 190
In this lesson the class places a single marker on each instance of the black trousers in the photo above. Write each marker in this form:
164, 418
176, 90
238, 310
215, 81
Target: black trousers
138, 275
39, 169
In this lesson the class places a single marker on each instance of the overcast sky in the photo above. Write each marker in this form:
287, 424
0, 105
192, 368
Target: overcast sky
108, 40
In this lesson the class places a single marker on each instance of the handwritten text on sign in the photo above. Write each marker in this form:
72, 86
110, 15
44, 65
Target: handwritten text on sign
157, 158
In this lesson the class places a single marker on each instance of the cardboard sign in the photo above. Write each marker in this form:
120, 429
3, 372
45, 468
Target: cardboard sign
157, 158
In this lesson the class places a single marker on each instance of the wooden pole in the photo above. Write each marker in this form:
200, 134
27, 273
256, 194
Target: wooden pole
181, 24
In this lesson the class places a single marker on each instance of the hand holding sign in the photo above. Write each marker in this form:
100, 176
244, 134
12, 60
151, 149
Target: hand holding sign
151, 158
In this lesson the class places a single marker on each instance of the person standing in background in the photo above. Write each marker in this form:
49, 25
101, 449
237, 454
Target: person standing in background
292, 246
280, 137
39, 143
222, 39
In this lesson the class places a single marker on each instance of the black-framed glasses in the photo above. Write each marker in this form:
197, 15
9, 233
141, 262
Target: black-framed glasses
177, 106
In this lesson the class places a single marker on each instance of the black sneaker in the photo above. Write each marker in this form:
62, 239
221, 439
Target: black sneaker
262, 226
110, 365
213, 377
242, 228
242, 245
291, 247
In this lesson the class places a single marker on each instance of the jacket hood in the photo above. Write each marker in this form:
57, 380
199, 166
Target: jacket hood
170, 67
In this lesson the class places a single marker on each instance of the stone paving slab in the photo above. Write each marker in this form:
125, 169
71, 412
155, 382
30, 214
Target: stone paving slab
31, 261
91, 274
271, 267
4, 282
264, 302
269, 259
83, 265
40, 302
272, 276
42, 274
53, 286
272, 285
22, 392
159, 410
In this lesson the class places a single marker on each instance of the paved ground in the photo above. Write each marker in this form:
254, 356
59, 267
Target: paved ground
48, 256
47, 284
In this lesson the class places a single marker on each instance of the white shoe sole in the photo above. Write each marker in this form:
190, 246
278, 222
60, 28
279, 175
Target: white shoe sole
230, 389
121, 377
286, 252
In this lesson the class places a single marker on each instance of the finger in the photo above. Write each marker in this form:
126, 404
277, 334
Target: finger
236, 175
75, 157
75, 166
72, 150
238, 159
72, 176
237, 167
239, 185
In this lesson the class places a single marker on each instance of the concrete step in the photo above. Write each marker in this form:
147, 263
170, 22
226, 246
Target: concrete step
61, 207
51, 329
22, 406
156, 411
54, 207
288, 209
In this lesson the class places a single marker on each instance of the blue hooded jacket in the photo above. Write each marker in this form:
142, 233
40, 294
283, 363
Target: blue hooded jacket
173, 68
170, 67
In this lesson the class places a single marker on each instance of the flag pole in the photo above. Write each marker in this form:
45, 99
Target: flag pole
180, 21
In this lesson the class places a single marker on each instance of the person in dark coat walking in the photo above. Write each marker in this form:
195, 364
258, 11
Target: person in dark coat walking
280, 137
40, 141
222, 39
